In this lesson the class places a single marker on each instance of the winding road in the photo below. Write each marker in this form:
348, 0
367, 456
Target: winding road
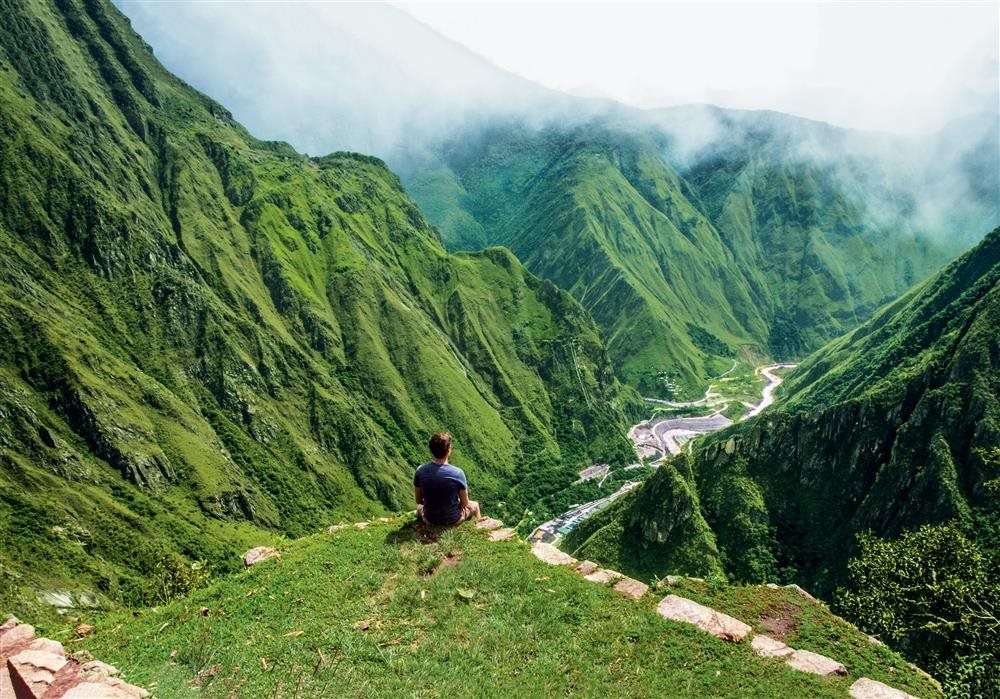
656, 438
653, 440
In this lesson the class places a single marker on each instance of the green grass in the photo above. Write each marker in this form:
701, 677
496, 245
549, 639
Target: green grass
375, 613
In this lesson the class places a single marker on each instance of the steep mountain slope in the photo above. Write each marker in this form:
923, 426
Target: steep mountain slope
206, 335
597, 211
889, 427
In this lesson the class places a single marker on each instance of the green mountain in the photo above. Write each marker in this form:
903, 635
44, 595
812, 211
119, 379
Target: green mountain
774, 234
209, 337
890, 427
600, 214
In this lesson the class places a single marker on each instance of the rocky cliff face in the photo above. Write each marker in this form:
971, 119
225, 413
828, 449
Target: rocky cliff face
205, 334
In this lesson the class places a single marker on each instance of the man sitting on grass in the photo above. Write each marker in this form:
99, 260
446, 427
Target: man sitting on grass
441, 490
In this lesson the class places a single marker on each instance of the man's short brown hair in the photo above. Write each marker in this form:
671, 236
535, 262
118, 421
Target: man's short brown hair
440, 444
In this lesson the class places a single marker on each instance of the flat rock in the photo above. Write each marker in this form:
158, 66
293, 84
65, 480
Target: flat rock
551, 555
92, 689
705, 618
603, 576
6, 687
32, 671
96, 666
47, 645
817, 664
501, 534
870, 689
361, 525
586, 567
335, 528
261, 553
489, 523
631, 588
14, 637
768, 647
800, 592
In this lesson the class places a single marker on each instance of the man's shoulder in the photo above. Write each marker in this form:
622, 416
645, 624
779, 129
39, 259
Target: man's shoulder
453, 471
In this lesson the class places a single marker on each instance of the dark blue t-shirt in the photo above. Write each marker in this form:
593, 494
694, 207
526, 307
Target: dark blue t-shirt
439, 484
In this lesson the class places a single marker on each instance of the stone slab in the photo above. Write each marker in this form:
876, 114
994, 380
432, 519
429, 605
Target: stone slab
768, 647
551, 555
96, 666
502, 534
865, 688
32, 671
97, 689
15, 637
586, 567
705, 618
603, 576
807, 661
489, 524
631, 588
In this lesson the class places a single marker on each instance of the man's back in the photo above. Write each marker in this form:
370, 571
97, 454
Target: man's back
440, 485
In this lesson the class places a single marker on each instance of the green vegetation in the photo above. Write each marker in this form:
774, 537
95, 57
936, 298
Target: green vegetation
377, 613
893, 426
755, 242
211, 342
600, 214
936, 595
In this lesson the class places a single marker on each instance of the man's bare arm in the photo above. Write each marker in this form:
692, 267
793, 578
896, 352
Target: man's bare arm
419, 496
463, 497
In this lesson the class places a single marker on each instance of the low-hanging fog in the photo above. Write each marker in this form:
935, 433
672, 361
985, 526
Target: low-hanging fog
374, 78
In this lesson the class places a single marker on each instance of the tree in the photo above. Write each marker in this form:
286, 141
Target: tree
935, 595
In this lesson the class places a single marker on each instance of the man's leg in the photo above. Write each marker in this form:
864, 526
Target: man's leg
472, 510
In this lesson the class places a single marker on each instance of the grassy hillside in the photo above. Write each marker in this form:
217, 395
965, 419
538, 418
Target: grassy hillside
769, 232
378, 613
208, 337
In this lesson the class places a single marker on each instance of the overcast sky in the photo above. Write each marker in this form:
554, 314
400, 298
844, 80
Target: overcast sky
902, 66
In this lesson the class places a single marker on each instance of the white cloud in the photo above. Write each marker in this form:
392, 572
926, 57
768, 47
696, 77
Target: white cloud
903, 67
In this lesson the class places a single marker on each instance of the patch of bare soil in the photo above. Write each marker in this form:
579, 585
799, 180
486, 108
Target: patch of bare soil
779, 619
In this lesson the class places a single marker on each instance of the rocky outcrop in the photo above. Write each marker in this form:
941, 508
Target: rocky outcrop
258, 554
32, 668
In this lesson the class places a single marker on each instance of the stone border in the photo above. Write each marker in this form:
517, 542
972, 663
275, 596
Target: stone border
721, 625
